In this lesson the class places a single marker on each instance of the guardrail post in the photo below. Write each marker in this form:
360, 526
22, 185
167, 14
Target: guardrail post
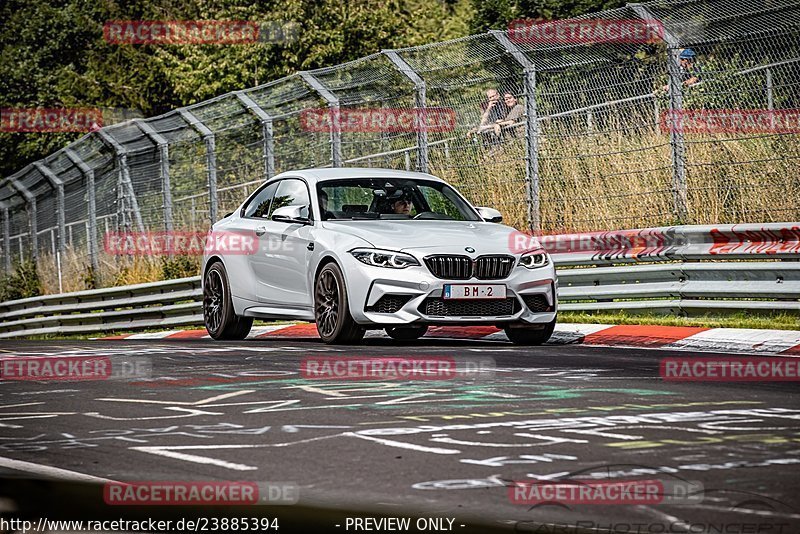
31, 200
91, 210
419, 104
533, 187
333, 106
677, 145
163, 150
211, 157
58, 185
266, 130
6, 236
121, 155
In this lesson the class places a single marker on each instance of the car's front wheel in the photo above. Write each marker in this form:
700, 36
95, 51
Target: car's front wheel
406, 333
331, 310
218, 314
530, 336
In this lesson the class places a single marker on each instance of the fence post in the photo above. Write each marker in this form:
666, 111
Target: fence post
677, 145
333, 106
266, 129
532, 182
770, 95
163, 150
419, 103
121, 155
91, 211
6, 236
58, 185
31, 200
211, 157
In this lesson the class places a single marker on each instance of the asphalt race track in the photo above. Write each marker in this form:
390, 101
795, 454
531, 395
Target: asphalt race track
440, 448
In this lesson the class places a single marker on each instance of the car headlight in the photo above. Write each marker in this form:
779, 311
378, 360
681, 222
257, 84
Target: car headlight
384, 258
534, 259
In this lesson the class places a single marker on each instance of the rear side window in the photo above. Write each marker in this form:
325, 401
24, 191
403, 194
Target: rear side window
259, 206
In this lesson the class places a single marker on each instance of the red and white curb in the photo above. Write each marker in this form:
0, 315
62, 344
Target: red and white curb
689, 338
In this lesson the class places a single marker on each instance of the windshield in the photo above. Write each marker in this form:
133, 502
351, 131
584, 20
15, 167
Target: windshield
391, 198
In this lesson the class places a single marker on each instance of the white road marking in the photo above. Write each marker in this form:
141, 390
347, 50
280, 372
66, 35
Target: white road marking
402, 445
55, 472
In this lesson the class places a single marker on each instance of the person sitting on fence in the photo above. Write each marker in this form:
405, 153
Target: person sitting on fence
493, 110
690, 71
509, 125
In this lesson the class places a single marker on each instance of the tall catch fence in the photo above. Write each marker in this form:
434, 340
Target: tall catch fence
592, 150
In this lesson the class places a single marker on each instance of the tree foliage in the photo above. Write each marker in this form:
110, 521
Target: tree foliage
52, 53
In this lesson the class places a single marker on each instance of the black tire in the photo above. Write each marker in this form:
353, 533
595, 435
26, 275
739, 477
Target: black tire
530, 336
221, 321
335, 325
406, 333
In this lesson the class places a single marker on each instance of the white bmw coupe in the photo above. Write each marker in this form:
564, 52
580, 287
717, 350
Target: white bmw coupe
358, 249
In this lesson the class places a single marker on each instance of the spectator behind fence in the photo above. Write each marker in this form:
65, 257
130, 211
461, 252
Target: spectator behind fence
507, 126
493, 110
690, 71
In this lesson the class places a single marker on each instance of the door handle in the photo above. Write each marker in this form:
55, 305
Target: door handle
261, 230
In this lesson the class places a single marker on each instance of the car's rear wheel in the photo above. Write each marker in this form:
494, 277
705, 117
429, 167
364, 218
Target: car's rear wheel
331, 310
218, 314
406, 333
530, 336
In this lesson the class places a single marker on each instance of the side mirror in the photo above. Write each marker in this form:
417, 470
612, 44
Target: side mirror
292, 214
490, 214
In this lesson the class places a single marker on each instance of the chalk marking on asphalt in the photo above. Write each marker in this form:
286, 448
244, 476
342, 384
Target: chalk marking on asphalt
402, 445
190, 413
748, 511
56, 472
21, 404
183, 403
33, 415
171, 452
671, 518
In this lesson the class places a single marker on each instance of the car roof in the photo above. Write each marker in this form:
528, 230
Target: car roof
322, 174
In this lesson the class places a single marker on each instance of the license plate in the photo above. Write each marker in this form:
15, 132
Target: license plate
474, 291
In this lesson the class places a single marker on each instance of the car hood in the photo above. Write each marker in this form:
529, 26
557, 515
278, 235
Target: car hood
484, 237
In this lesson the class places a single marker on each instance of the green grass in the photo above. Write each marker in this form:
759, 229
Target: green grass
739, 320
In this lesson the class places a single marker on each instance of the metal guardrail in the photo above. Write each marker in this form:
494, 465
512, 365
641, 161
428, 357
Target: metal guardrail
136, 307
680, 270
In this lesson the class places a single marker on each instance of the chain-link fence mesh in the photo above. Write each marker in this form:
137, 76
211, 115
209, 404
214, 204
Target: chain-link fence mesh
588, 149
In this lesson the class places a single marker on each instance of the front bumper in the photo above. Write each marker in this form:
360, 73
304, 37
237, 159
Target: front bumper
379, 296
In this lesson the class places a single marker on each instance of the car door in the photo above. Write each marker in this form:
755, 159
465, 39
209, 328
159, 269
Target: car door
255, 220
291, 245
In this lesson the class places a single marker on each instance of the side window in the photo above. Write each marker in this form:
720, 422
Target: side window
291, 192
259, 206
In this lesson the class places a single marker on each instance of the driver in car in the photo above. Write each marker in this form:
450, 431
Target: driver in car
402, 206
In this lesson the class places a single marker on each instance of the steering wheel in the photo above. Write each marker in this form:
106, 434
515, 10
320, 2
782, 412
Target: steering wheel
432, 215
